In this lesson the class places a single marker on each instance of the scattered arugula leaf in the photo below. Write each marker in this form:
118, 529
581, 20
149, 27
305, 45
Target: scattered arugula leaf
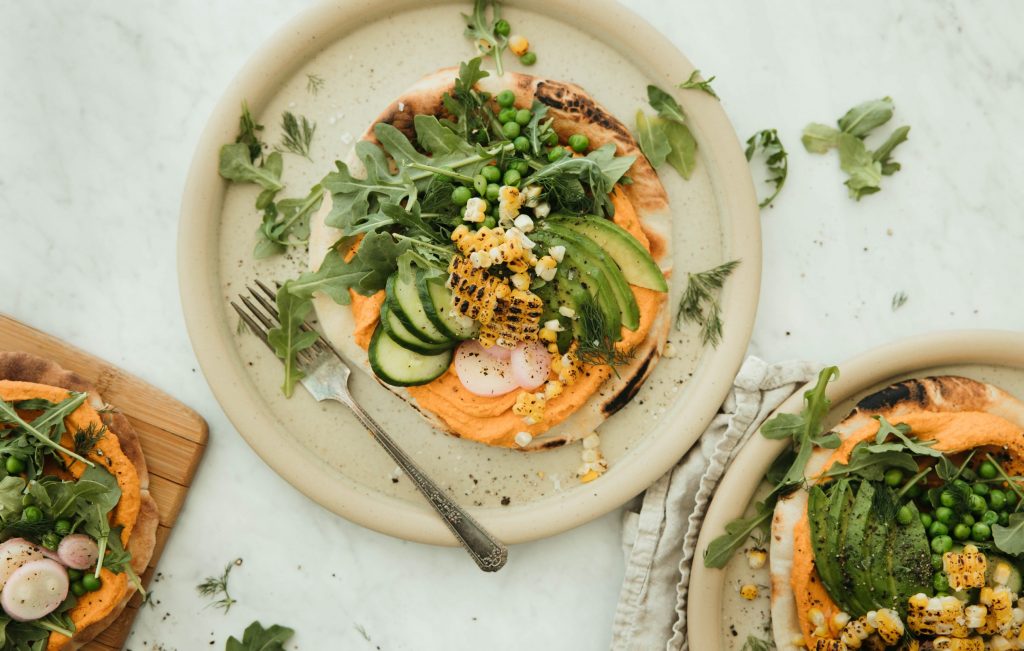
469, 106
217, 587
1010, 539
366, 272
721, 549
755, 643
666, 137
775, 157
900, 432
480, 29
864, 172
869, 462
865, 118
666, 105
235, 165
286, 223
651, 138
883, 155
899, 299
247, 133
257, 638
314, 83
694, 83
699, 303
297, 134
289, 339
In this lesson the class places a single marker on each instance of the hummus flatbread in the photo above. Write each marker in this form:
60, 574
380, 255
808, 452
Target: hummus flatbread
641, 208
958, 413
24, 375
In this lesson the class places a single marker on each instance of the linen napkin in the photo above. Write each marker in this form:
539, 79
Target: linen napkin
660, 539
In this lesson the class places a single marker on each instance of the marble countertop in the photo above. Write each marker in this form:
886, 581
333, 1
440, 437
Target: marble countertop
103, 105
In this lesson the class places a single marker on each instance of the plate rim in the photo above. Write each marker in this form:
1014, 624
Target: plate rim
215, 350
704, 615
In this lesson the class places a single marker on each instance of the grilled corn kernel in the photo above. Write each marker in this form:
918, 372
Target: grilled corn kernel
510, 200
546, 267
821, 644
815, 616
839, 620
557, 252
1000, 643
936, 615
975, 616
552, 389
756, 559
520, 280
887, 624
856, 632
958, 644
523, 223
474, 211
749, 591
523, 439
1000, 610
965, 569
542, 210
567, 311
547, 334
1001, 574
530, 407
532, 195
518, 44
589, 476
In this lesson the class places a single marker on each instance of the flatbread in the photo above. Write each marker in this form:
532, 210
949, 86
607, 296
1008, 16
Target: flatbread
25, 367
940, 394
574, 111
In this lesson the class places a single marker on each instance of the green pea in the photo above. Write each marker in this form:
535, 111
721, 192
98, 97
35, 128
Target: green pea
938, 529
551, 139
490, 221
940, 582
32, 514
997, 499
967, 519
523, 117
941, 544
579, 144
1011, 498
905, 515
77, 588
522, 143
945, 515
528, 59
506, 115
926, 520
502, 28
493, 191
62, 526
988, 470
14, 465
461, 195
1004, 518
978, 505
980, 531
936, 561
980, 489
511, 130
91, 582
491, 173
947, 498
512, 177
520, 166
990, 518
962, 531
50, 540
74, 574
506, 98
555, 154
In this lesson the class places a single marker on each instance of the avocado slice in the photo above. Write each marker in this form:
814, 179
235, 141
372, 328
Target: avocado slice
629, 254
912, 568
828, 514
856, 563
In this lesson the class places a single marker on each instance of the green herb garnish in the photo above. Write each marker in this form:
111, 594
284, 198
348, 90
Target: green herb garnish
666, 137
248, 135
595, 345
297, 134
899, 299
217, 586
755, 643
87, 439
481, 29
697, 84
314, 83
699, 303
775, 157
257, 638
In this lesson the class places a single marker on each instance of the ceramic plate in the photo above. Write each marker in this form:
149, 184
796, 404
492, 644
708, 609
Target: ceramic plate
367, 52
719, 619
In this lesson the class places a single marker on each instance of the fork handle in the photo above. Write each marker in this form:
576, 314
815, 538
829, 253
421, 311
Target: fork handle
489, 554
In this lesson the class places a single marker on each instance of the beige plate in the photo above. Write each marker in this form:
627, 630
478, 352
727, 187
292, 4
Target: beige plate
367, 52
719, 619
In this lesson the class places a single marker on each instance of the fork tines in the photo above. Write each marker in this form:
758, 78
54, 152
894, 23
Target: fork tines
263, 317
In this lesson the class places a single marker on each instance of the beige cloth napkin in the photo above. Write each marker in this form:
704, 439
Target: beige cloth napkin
660, 539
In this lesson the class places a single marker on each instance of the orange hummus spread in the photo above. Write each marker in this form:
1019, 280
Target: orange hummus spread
92, 607
490, 419
952, 432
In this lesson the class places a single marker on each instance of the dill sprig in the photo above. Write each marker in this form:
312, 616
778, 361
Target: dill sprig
87, 439
314, 83
700, 301
697, 84
298, 133
899, 300
213, 586
776, 160
595, 346
247, 133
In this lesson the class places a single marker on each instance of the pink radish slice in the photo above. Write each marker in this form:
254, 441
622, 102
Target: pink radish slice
531, 364
52, 555
482, 374
78, 551
499, 352
35, 590
13, 554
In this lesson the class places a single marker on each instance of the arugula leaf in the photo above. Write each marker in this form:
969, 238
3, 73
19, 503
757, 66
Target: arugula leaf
247, 128
565, 179
666, 137
366, 273
38, 432
469, 106
695, 83
864, 171
257, 638
819, 138
683, 153
480, 30
288, 339
865, 118
870, 463
883, 154
666, 105
755, 643
721, 549
538, 127
287, 222
776, 159
12, 490
354, 198
298, 134
438, 139
900, 432
699, 303
236, 166
1010, 539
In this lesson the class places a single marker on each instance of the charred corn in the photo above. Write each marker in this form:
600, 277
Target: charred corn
965, 569
530, 407
958, 644
887, 624
999, 601
856, 632
822, 644
936, 616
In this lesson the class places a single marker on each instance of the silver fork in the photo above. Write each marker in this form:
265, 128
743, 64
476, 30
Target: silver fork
326, 378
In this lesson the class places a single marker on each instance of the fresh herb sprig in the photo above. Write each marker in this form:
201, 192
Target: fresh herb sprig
484, 31
596, 346
257, 638
699, 303
87, 439
297, 134
864, 168
248, 134
216, 587
666, 137
696, 83
314, 83
755, 643
776, 160
39, 438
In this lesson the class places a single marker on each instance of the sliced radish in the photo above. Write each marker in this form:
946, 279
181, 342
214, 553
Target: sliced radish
13, 554
531, 364
499, 352
35, 590
481, 373
78, 551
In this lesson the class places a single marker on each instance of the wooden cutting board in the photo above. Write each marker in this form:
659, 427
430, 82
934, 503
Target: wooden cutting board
173, 440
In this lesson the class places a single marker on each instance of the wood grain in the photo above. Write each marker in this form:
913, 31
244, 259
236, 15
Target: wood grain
173, 439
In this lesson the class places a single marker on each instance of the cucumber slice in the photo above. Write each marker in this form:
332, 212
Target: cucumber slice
584, 247
402, 367
629, 254
404, 301
402, 336
437, 304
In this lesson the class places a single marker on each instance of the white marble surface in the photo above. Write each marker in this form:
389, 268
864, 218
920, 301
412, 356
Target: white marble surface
103, 103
